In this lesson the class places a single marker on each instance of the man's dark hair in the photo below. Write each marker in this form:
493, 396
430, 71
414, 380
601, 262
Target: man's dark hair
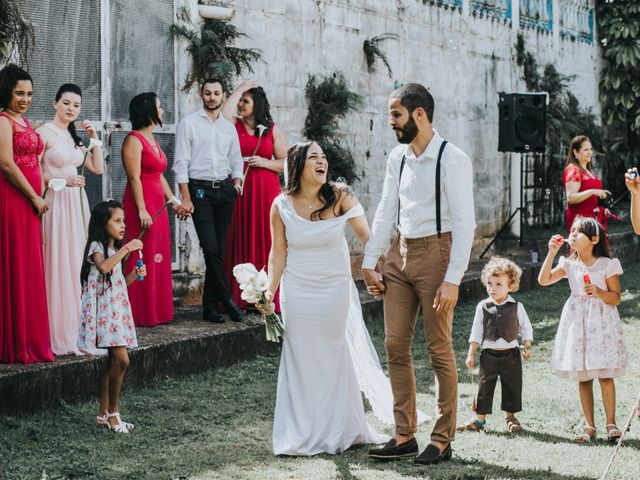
9, 77
414, 95
143, 110
213, 80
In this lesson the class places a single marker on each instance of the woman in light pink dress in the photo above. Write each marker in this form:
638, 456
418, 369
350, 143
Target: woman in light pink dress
65, 224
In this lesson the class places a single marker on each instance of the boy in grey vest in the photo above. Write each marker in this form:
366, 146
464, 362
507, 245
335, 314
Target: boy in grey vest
498, 322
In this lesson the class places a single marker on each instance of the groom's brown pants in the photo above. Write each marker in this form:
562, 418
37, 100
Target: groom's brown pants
413, 271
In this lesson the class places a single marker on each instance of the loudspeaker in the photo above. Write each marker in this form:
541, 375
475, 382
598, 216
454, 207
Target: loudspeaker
523, 122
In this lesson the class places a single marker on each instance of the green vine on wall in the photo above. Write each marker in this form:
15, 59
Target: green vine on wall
373, 51
330, 99
619, 30
16, 32
214, 53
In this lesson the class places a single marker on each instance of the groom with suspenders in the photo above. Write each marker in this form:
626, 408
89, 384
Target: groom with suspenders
428, 196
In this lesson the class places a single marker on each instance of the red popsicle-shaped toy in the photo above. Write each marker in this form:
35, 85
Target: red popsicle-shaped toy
586, 279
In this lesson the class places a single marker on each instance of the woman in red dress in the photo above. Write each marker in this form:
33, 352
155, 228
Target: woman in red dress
146, 193
24, 321
582, 187
264, 149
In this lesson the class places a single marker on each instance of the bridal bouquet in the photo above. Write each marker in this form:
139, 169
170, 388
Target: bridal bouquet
253, 284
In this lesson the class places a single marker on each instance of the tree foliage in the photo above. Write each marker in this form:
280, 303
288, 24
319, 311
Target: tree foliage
214, 52
330, 99
619, 32
565, 117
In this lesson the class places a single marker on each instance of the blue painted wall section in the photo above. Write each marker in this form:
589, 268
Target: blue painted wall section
536, 14
576, 20
492, 8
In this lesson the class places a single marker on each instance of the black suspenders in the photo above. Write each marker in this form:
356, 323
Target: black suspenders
438, 214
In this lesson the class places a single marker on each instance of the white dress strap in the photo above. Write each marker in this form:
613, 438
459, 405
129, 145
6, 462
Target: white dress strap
355, 211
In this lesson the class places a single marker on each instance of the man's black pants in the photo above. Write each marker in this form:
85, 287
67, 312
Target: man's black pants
507, 365
213, 209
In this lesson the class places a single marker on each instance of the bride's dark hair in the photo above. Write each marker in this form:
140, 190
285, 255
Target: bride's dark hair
296, 158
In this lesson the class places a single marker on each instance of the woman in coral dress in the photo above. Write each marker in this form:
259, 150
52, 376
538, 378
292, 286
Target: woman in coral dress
65, 225
24, 322
582, 187
264, 151
146, 193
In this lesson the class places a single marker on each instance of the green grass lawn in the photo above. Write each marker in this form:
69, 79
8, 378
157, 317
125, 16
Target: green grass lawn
217, 425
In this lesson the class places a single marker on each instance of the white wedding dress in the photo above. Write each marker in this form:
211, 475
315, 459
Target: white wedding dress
327, 355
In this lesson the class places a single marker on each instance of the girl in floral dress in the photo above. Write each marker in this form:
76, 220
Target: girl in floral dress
106, 320
589, 342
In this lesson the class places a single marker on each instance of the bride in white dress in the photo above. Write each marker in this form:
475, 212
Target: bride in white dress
327, 355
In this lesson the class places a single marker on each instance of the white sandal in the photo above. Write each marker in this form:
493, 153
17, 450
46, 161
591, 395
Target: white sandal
613, 433
584, 437
119, 427
103, 421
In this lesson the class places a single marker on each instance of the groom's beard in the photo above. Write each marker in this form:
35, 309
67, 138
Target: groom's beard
407, 133
212, 106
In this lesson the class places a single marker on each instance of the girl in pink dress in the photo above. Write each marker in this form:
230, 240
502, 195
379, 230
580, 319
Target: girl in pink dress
24, 323
146, 193
264, 151
589, 342
65, 225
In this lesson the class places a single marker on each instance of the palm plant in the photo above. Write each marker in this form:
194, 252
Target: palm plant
330, 100
214, 53
373, 50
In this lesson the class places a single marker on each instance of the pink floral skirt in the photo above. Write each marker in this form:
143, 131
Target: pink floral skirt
589, 342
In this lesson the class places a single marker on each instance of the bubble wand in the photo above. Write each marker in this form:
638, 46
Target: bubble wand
172, 201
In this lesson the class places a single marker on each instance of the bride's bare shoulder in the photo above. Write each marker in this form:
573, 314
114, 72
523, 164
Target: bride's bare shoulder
345, 197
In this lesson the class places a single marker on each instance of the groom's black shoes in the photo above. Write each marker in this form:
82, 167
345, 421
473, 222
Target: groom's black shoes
432, 455
233, 310
212, 316
393, 451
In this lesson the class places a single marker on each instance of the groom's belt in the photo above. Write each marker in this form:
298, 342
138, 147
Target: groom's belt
425, 240
210, 183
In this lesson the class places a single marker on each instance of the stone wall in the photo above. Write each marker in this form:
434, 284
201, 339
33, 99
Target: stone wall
464, 59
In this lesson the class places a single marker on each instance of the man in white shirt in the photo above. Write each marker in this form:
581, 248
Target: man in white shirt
433, 211
208, 169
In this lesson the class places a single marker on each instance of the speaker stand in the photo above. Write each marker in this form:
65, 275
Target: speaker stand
524, 222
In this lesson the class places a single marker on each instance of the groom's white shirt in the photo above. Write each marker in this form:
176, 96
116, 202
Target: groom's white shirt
417, 196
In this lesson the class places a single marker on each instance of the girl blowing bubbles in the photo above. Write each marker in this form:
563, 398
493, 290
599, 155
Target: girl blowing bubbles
106, 320
589, 341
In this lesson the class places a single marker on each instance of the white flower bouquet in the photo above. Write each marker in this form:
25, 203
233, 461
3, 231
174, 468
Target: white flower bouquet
253, 284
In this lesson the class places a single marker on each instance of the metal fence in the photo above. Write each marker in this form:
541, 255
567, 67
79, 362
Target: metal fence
113, 50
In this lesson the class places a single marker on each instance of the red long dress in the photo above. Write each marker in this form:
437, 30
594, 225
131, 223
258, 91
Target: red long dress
249, 238
24, 320
152, 298
587, 181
